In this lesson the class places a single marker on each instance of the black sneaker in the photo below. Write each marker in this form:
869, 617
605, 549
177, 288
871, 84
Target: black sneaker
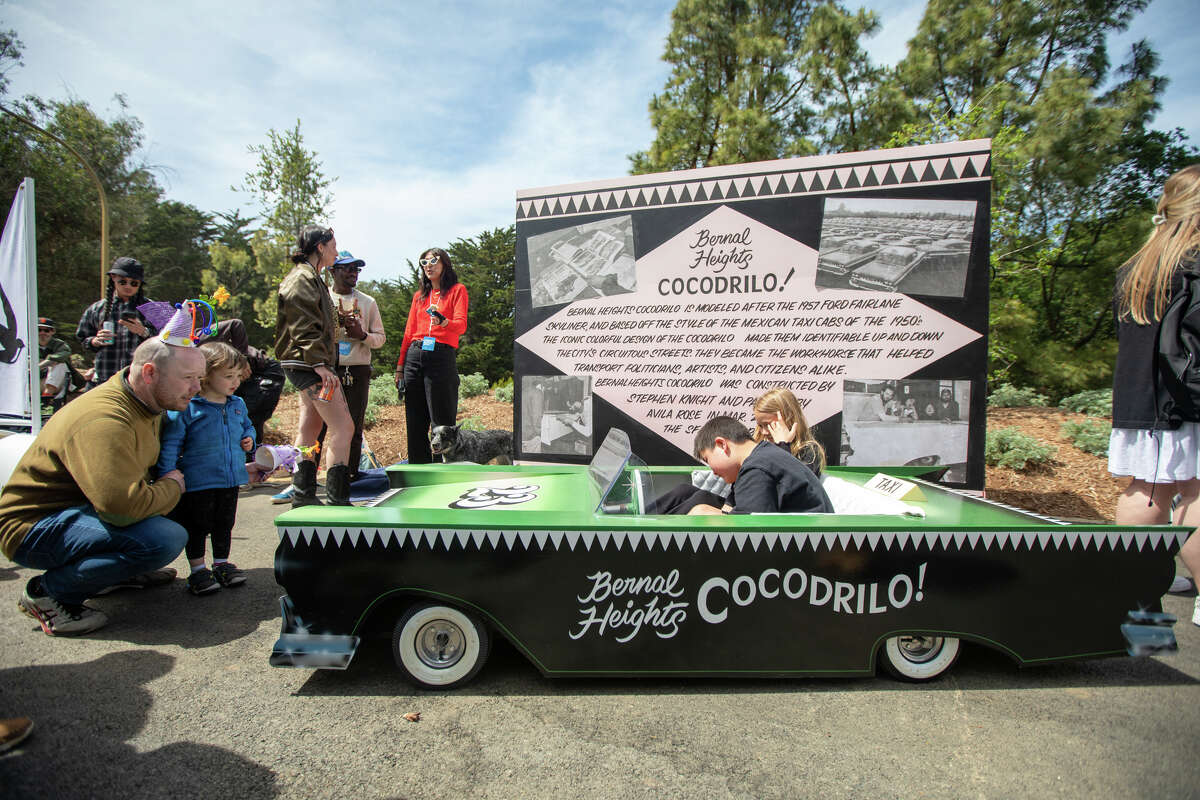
202, 582
227, 574
57, 618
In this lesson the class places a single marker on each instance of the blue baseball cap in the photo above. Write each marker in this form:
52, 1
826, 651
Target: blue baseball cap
344, 259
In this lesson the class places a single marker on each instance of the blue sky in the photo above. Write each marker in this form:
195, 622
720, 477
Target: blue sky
431, 116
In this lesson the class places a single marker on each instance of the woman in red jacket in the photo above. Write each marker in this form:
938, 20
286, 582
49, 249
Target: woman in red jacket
428, 362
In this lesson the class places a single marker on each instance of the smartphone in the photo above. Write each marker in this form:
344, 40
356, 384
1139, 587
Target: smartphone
437, 315
129, 316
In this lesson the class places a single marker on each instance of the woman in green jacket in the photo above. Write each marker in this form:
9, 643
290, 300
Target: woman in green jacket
306, 346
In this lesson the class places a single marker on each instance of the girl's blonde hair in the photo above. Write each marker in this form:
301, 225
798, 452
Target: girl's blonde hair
1145, 287
781, 401
219, 355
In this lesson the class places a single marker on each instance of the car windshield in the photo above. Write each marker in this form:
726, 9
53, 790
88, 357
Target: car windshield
619, 479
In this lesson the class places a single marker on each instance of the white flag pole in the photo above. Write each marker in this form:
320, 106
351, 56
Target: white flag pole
31, 308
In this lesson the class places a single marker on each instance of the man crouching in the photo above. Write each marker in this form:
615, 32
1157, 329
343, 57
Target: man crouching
79, 504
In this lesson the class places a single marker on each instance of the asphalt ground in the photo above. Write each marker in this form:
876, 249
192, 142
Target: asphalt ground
174, 698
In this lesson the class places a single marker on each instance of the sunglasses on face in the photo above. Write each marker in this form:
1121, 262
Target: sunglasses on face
134, 282
429, 262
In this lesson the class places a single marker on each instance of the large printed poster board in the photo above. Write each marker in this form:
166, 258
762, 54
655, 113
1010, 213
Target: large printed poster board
858, 280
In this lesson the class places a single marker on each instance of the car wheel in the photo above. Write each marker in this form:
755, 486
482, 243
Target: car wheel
439, 647
916, 657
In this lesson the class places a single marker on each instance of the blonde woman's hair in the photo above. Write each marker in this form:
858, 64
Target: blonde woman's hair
219, 355
781, 401
1145, 286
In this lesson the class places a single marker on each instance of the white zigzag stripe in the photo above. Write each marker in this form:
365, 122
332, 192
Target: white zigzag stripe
724, 541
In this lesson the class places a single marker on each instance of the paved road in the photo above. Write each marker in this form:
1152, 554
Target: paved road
175, 699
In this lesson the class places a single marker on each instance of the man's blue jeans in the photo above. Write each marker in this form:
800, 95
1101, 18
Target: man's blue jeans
83, 554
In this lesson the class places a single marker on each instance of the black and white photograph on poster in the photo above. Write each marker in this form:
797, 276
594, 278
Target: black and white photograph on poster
726, 304
921, 422
881, 244
590, 260
556, 414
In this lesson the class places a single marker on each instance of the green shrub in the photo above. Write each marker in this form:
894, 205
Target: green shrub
1008, 447
381, 393
503, 391
472, 385
471, 424
1093, 402
1090, 436
1006, 396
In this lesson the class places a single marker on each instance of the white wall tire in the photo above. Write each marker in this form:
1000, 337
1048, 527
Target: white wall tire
439, 647
917, 658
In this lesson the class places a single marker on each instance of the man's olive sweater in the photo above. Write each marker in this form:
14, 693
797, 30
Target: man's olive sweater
96, 450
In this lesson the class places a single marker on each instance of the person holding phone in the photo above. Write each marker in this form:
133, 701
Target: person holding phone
112, 328
427, 369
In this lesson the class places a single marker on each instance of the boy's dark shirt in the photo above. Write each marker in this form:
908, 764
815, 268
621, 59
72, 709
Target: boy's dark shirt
773, 480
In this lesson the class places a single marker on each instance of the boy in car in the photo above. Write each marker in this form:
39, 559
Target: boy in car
765, 479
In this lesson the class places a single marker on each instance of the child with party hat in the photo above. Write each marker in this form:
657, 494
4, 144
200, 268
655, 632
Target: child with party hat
207, 442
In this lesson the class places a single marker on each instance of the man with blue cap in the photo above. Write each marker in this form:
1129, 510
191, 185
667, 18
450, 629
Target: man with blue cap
360, 330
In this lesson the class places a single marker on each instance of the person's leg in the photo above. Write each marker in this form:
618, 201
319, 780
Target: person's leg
224, 516
1188, 514
332, 414
441, 386
357, 394
1134, 506
416, 409
193, 512
82, 554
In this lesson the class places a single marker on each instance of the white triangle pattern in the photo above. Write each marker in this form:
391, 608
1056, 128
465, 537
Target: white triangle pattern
753, 186
716, 541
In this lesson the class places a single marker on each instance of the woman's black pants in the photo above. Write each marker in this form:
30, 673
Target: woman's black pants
430, 395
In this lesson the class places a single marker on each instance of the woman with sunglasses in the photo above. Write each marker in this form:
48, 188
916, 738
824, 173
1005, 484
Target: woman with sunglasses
112, 328
428, 364
306, 346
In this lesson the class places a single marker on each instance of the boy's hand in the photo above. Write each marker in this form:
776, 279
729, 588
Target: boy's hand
247, 443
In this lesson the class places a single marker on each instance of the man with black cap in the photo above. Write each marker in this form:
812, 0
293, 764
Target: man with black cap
112, 328
360, 330
54, 360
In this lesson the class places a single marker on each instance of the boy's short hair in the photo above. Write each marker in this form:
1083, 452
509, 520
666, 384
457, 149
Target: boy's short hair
219, 355
724, 427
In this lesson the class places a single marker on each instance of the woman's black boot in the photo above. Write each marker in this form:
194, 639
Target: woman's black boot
337, 485
304, 485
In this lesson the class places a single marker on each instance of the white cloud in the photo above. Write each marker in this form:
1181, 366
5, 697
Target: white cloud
431, 115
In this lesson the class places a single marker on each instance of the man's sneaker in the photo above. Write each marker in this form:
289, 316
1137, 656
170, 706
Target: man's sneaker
60, 619
1181, 585
13, 732
155, 577
202, 582
285, 496
227, 574
1196, 613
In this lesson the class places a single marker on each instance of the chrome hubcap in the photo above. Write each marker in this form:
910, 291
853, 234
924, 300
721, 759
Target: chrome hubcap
919, 649
440, 644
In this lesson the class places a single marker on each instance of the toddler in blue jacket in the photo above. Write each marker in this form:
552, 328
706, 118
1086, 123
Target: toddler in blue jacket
207, 442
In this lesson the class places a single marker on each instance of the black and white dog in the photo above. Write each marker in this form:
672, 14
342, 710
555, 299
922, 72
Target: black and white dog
453, 443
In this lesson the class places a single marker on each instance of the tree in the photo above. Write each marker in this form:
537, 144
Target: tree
731, 91
1077, 163
288, 184
1075, 186
292, 192
168, 237
486, 264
